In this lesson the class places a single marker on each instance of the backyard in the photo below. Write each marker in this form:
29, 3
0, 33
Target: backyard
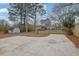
51, 45
37, 29
46, 33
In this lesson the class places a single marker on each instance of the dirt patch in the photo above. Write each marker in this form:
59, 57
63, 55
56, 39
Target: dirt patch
4, 35
74, 39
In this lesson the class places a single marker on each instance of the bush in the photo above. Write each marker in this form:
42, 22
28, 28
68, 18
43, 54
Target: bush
43, 28
22, 28
68, 31
4, 26
30, 28
69, 24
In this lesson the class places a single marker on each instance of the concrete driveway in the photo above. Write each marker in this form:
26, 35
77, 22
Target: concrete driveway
53, 45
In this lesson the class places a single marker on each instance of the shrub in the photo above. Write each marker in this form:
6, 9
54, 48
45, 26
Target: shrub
68, 24
30, 28
4, 26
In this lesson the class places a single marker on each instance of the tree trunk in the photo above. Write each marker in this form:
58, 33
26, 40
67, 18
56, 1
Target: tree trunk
34, 27
21, 23
26, 18
26, 24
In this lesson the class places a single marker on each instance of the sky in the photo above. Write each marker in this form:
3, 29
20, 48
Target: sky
4, 12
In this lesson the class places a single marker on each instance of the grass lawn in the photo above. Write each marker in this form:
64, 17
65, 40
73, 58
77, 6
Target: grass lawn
43, 33
33, 34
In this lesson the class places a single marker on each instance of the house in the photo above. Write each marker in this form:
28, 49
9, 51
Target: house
14, 30
52, 24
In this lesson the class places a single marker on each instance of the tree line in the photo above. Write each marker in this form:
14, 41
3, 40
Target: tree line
23, 11
65, 13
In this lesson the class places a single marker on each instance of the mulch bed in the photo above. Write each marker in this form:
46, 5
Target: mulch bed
74, 39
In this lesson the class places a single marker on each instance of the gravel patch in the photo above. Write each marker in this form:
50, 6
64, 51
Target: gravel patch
52, 45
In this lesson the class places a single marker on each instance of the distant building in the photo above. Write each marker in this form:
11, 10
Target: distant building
14, 30
53, 24
56, 25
